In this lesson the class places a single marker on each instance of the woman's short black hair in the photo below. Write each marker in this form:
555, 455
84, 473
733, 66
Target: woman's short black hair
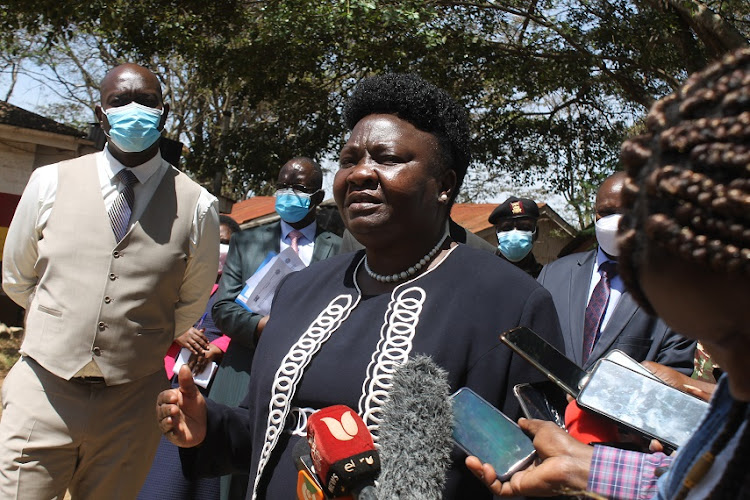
422, 104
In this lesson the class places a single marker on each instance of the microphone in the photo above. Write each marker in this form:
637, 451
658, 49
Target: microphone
343, 452
415, 435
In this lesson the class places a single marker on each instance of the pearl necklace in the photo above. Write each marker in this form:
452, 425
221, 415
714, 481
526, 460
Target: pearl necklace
409, 272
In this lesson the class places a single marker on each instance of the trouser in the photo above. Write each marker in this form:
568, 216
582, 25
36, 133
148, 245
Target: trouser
98, 441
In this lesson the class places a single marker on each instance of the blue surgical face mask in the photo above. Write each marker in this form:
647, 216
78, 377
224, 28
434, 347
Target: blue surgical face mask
292, 206
515, 244
133, 127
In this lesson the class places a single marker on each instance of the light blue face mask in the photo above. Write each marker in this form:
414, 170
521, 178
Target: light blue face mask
515, 244
133, 127
292, 206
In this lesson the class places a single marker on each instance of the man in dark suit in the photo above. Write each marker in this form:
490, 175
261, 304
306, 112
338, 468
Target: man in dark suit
574, 282
299, 192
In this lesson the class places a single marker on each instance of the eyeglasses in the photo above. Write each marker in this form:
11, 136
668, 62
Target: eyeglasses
522, 224
296, 187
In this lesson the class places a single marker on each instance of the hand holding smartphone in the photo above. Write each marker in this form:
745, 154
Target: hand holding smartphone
482, 430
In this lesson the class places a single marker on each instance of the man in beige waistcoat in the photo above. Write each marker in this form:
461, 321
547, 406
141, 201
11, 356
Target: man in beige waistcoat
111, 255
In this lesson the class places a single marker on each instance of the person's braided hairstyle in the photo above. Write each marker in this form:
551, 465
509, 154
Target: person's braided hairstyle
688, 192
688, 189
422, 104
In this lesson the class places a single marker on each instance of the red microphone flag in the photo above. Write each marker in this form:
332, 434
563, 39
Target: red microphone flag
342, 449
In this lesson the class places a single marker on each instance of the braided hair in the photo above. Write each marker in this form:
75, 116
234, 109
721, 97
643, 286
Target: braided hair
688, 192
688, 189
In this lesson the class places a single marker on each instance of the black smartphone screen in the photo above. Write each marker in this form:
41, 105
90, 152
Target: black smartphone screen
560, 369
543, 400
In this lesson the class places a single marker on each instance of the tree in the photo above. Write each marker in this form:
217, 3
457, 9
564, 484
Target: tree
552, 85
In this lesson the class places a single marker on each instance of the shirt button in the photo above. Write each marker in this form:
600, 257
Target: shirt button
97, 351
107, 300
116, 254
112, 276
102, 325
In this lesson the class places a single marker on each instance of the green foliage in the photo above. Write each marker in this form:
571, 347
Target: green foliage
553, 85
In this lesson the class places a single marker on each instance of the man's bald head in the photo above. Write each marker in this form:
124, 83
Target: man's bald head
125, 84
306, 171
608, 198
133, 80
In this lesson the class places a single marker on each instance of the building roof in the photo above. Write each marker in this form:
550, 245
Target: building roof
475, 216
18, 117
257, 207
472, 216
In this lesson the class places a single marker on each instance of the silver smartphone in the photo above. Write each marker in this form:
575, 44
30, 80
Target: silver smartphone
642, 403
482, 430
623, 359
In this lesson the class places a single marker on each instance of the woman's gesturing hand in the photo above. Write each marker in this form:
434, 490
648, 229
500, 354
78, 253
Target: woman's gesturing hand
181, 412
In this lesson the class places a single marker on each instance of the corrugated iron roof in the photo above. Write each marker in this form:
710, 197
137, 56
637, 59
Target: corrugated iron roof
253, 208
18, 117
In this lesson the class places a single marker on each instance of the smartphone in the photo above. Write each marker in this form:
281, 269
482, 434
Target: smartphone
482, 430
638, 402
623, 359
560, 369
543, 400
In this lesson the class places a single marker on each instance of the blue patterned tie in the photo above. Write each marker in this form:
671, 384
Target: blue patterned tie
119, 213
596, 308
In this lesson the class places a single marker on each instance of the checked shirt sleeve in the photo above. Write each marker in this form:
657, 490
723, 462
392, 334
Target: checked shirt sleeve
625, 475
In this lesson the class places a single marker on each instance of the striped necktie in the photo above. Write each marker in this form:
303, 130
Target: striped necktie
119, 213
596, 308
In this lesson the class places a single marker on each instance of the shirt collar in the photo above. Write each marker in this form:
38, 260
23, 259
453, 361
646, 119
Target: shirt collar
143, 172
601, 258
307, 231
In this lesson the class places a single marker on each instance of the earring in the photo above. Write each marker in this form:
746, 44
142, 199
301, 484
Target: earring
443, 197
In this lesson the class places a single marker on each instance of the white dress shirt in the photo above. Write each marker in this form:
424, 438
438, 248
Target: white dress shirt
306, 243
34, 208
616, 287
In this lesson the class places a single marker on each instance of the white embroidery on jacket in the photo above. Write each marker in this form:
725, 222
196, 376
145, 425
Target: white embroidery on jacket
394, 346
292, 367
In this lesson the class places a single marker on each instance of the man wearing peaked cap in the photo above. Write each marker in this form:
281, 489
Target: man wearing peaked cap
515, 224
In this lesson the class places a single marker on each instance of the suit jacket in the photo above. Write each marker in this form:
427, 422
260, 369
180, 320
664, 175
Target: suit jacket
629, 329
247, 250
336, 348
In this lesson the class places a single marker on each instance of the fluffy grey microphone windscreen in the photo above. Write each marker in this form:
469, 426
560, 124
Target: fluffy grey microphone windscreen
415, 432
